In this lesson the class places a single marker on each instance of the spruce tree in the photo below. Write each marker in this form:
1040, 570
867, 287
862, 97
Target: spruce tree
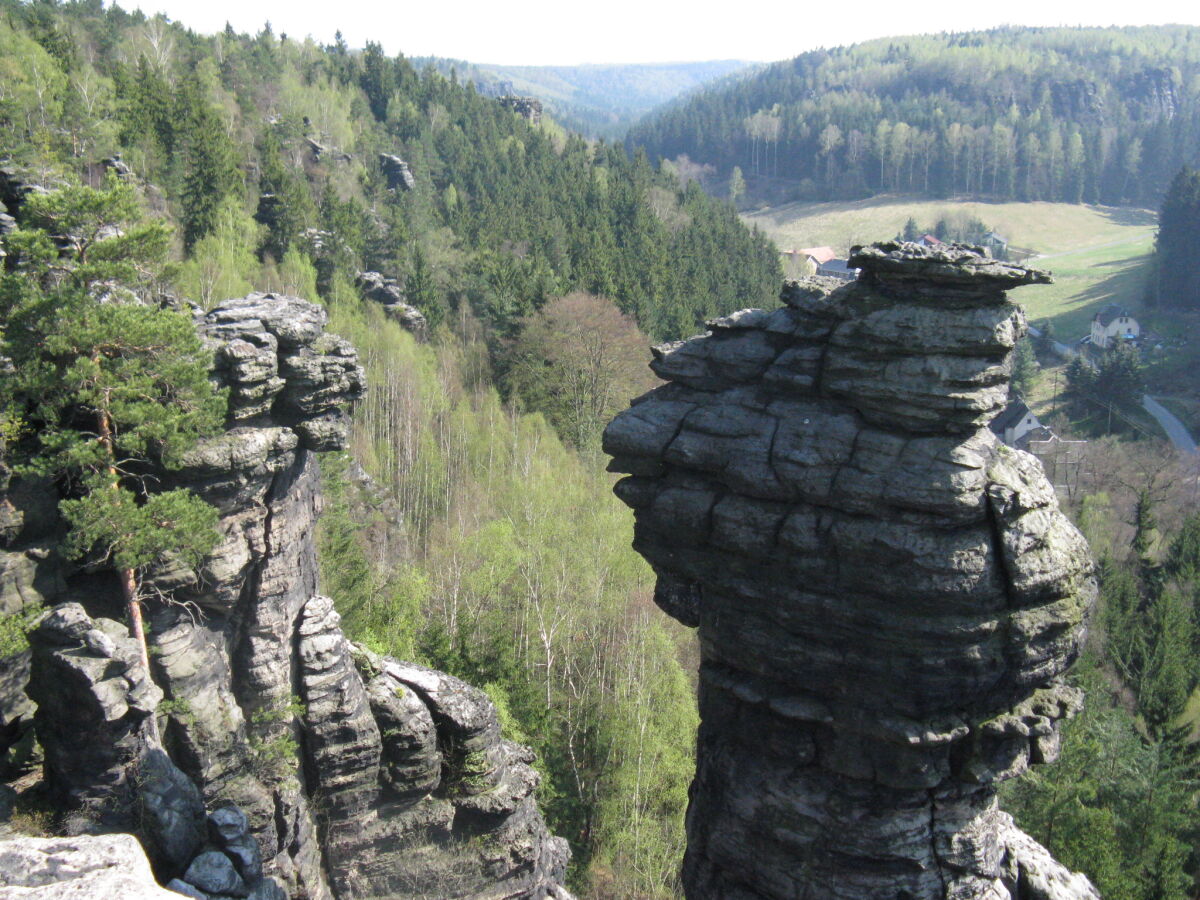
1177, 282
210, 165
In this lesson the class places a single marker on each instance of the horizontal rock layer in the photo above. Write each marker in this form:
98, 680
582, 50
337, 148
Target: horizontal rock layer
885, 595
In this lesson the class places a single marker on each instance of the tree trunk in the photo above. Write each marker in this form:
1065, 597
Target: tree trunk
128, 579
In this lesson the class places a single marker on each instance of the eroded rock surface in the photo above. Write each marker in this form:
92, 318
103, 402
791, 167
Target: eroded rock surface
78, 868
396, 171
886, 596
328, 772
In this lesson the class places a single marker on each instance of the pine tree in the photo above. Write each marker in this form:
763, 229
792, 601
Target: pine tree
1024, 367
106, 388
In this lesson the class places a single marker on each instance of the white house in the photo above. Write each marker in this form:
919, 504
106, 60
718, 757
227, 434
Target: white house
1015, 422
1112, 324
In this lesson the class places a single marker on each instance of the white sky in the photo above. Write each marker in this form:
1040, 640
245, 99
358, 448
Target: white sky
564, 32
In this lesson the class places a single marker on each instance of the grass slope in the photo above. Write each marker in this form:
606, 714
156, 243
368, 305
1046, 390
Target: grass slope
1098, 254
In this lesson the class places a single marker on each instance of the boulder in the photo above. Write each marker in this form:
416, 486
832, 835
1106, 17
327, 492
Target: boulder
213, 873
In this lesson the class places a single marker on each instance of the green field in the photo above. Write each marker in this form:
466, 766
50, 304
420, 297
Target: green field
1097, 254
1087, 280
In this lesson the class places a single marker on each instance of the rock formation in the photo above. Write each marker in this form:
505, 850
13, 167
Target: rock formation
77, 868
390, 295
886, 596
396, 171
528, 108
358, 776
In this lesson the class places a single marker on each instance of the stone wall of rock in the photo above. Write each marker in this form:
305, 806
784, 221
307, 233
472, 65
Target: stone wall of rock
359, 777
886, 596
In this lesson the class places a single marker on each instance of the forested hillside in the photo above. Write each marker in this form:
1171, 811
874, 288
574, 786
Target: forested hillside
501, 214
1079, 115
484, 539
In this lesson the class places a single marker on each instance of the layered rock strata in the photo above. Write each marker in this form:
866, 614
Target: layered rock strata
886, 596
397, 173
358, 777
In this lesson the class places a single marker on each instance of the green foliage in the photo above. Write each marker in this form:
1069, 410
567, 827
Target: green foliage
106, 386
130, 534
1024, 368
921, 114
78, 360
14, 627
210, 164
1116, 382
518, 575
222, 263
578, 361
272, 746
1177, 249
102, 234
1114, 806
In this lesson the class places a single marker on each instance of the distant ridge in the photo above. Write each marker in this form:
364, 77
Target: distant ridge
598, 99
1095, 115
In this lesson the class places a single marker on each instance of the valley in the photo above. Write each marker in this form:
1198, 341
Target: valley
345, 579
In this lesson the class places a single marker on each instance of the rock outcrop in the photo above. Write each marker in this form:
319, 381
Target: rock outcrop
528, 108
886, 596
77, 868
397, 173
354, 776
388, 293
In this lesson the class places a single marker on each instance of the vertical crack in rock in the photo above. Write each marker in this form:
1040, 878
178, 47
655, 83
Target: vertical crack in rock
886, 596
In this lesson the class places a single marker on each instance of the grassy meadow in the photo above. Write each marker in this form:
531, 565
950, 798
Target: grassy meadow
1097, 254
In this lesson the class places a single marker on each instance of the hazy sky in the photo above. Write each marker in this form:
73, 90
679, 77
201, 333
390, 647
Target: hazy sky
543, 32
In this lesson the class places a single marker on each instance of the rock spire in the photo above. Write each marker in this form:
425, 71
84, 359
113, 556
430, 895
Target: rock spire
353, 776
886, 596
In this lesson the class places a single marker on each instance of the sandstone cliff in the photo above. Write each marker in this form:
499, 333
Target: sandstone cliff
885, 595
360, 776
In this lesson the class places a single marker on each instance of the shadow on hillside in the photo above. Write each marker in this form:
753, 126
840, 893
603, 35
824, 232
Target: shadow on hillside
1124, 282
1119, 215
1121, 281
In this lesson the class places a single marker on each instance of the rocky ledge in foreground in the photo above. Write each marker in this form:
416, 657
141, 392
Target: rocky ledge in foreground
355, 776
886, 596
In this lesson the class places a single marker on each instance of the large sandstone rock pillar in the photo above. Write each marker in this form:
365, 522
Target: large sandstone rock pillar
886, 595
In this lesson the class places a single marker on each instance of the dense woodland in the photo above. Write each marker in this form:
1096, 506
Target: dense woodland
1078, 115
484, 539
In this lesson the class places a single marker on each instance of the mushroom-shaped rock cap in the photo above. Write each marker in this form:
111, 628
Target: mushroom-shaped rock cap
958, 265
